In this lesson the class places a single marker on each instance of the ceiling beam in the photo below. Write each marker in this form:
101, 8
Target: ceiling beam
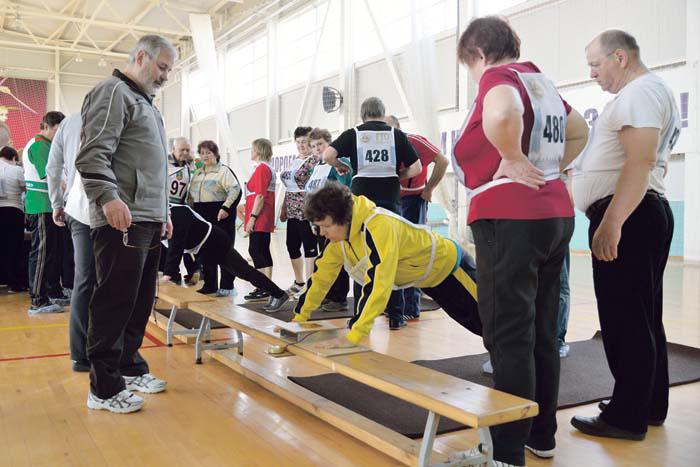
84, 28
134, 20
30, 45
59, 30
29, 12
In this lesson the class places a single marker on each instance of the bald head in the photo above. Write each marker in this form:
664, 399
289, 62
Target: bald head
392, 121
616, 39
181, 149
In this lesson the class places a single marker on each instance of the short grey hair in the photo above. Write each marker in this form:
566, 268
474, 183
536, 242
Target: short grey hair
180, 138
372, 108
4, 135
614, 39
151, 44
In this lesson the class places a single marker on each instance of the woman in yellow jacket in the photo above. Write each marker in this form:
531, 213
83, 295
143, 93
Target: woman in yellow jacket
384, 252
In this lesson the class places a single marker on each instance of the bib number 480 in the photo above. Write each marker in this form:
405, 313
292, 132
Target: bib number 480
554, 129
375, 155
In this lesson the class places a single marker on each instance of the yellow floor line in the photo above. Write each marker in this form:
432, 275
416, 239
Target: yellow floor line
33, 326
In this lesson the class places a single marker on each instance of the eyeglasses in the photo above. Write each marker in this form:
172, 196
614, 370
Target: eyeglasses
125, 239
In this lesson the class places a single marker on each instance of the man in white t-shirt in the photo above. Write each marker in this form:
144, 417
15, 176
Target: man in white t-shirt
618, 182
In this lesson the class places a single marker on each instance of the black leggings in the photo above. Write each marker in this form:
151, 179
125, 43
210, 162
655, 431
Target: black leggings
213, 250
299, 232
259, 249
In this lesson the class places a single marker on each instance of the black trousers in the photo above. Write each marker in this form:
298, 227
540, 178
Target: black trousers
121, 304
67, 259
457, 295
629, 292
12, 246
519, 268
44, 258
259, 249
209, 211
339, 290
218, 249
299, 233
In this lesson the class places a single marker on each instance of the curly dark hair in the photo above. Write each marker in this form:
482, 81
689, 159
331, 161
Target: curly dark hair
333, 199
302, 131
211, 146
493, 35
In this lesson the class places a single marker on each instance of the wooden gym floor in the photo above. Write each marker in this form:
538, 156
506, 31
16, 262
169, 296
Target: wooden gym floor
211, 416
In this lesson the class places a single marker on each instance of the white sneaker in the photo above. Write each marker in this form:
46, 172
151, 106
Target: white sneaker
145, 383
296, 290
226, 293
541, 453
123, 402
45, 308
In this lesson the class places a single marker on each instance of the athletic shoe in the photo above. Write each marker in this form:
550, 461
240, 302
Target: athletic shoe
192, 279
67, 292
257, 295
61, 300
226, 293
276, 303
411, 316
396, 323
124, 402
541, 453
81, 366
334, 307
47, 307
487, 368
296, 290
145, 383
206, 291
564, 350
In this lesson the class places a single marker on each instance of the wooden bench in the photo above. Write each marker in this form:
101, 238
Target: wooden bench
442, 395
181, 297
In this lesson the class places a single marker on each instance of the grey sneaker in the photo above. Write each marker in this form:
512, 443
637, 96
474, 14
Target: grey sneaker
487, 368
334, 307
123, 402
45, 308
564, 350
61, 300
68, 292
276, 304
226, 293
145, 383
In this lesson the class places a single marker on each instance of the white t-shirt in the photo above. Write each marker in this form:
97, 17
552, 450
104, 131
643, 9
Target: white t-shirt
11, 183
646, 102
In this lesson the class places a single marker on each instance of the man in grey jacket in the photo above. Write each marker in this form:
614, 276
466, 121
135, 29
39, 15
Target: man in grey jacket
123, 165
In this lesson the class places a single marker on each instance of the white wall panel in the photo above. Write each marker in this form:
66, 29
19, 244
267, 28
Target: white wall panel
247, 123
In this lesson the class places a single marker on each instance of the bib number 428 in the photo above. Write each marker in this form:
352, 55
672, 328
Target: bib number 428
554, 129
376, 155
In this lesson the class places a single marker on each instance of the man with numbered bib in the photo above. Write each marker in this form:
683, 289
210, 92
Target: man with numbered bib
379, 156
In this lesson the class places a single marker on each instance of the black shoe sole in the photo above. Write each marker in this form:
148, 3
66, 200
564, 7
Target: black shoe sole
602, 405
612, 433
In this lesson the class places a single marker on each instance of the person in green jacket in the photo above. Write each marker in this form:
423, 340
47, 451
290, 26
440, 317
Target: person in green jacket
44, 257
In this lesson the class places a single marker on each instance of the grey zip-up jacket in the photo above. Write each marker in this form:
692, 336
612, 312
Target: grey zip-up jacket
123, 152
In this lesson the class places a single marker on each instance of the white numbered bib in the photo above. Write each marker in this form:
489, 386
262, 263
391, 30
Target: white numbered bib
318, 178
288, 178
376, 154
178, 182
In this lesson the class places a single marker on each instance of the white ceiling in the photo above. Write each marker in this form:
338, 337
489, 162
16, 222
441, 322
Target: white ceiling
106, 28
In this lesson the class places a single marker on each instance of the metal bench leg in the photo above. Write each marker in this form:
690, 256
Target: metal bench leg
198, 343
426, 447
239, 342
169, 329
486, 445
208, 331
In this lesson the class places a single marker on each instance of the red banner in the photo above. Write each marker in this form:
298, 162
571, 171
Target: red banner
22, 106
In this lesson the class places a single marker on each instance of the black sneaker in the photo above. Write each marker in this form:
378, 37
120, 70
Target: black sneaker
396, 323
60, 300
207, 291
276, 303
81, 366
257, 295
